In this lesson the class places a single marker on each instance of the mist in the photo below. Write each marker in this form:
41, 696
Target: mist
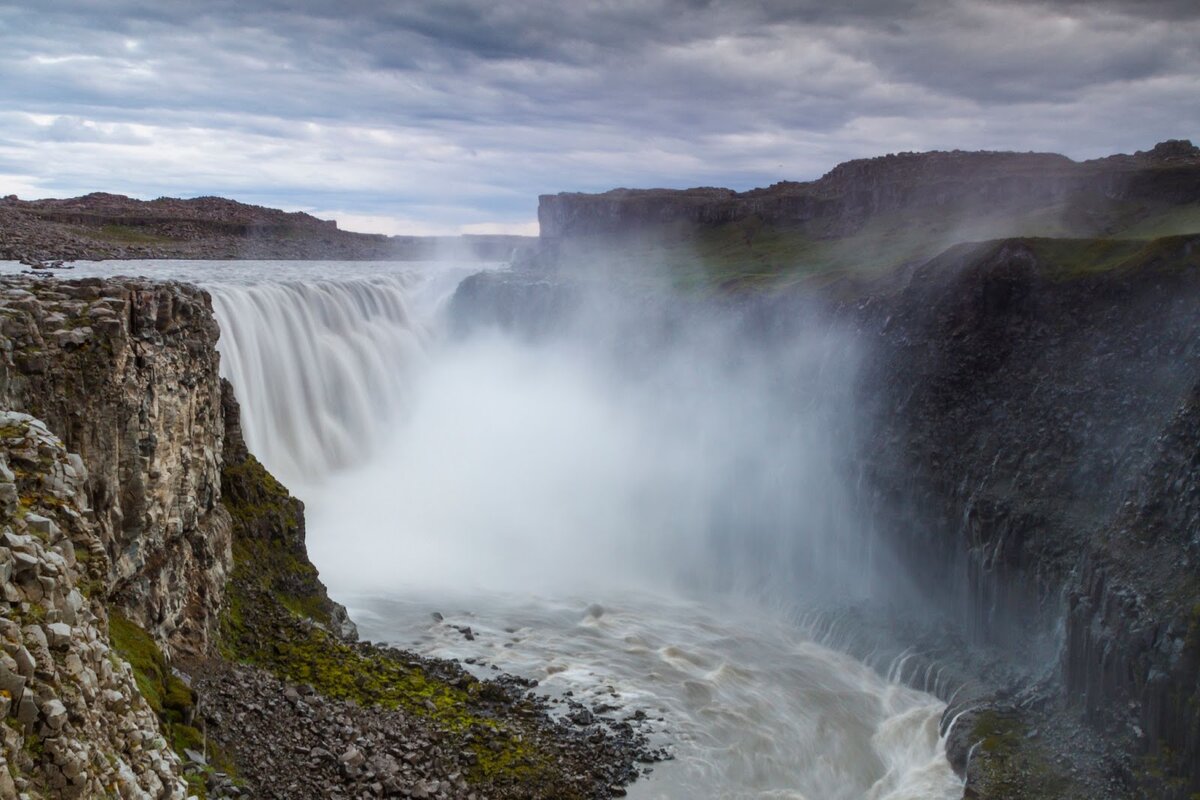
637, 443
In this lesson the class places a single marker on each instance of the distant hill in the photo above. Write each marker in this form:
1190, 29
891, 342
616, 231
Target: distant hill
110, 226
875, 213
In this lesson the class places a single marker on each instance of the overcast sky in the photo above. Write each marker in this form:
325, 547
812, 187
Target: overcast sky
453, 115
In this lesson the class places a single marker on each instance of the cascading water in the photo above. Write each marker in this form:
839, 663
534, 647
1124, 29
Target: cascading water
619, 515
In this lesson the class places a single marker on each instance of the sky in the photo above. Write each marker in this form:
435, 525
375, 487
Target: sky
452, 116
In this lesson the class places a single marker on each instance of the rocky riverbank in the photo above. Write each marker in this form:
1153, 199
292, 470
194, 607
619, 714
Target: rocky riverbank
164, 631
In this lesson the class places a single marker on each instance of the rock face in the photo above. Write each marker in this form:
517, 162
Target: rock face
842, 201
126, 373
1033, 450
76, 724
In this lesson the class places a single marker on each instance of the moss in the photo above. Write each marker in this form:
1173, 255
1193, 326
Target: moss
275, 615
17, 431
165, 693
170, 698
185, 737
127, 234
1010, 765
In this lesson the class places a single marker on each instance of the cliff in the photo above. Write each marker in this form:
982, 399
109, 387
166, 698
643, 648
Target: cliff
869, 215
126, 373
1032, 446
76, 723
102, 226
843, 200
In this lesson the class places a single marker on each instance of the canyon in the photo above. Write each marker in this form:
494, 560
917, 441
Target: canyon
1028, 423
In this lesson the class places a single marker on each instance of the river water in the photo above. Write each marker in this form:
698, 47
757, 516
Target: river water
625, 525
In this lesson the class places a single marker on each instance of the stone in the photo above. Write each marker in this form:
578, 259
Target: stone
35, 637
67, 549
58, 635
74, 337
352, 758
8, 495
71, 605
77, 467
18, 542
26, 663
24, 562
55, 713
27, 710
115, 700
42, 525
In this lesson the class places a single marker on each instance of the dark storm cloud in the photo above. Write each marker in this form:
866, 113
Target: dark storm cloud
474, 107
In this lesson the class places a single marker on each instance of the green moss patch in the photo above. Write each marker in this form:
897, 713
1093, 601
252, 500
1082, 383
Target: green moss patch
168, 696
124, 234
1009, 765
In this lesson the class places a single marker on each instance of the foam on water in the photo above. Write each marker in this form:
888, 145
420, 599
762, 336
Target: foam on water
750, 707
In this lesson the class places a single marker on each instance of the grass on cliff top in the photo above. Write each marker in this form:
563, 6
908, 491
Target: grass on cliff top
122, 234
275, 617
1072, 258
751, 254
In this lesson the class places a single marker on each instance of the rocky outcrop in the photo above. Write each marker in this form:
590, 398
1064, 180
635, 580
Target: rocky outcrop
839, 204
126, 373
75, 723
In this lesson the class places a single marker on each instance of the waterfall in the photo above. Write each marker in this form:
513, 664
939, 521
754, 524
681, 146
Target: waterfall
686, 452
615, 506
320, 367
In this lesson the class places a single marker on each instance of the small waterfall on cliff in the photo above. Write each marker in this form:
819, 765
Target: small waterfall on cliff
615, 511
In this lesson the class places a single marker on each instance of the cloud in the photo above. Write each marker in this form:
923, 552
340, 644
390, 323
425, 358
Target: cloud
404, 114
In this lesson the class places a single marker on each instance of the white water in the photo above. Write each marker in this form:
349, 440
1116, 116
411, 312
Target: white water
616, 522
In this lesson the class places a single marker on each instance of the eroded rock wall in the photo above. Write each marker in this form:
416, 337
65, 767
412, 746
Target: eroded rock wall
75, 724
1034, 454
125, 371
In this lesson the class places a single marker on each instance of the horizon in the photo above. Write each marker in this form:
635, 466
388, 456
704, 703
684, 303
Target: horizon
447, 119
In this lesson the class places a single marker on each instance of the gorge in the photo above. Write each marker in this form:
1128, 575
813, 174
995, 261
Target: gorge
819, 532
